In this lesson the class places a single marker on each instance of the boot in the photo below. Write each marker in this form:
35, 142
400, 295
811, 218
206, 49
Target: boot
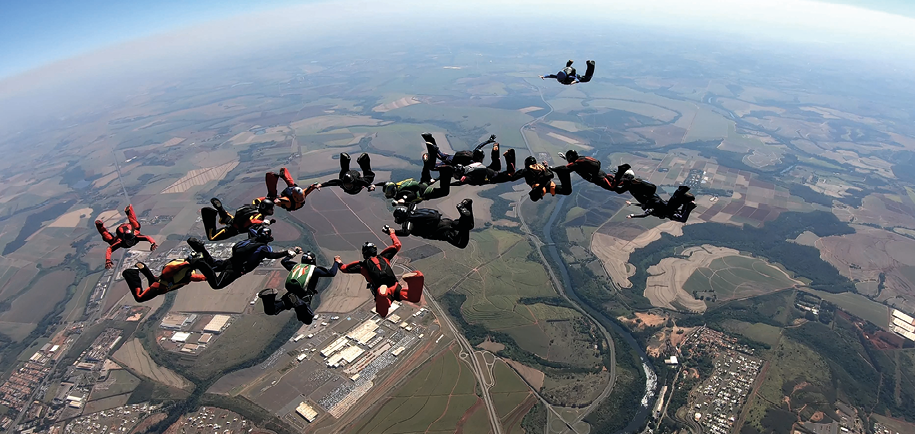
345, 156
268, 296
196, 244
568, 64
364, 158
466, 207
428, 138
100, 225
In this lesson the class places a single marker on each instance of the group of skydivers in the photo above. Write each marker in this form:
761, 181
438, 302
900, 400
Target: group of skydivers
460, 168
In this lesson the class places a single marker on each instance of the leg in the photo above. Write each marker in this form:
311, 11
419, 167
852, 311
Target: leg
216, 281
428, 164
365, 163
287, 177
132, 277
344, 164
683, 215
131, 217
303, 313
271, 179
509, 156
209, 224
444, 184
588, 72
106, 236
565, 182
496, 163
383, 301
413, 292
456, 232
271, 305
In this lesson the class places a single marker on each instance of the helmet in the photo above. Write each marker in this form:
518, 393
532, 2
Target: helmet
561, 75
629, 175
400, 214
298, 195
459, 168
478, 155
264, 235
530, 161
309, 258
265, 207
348, 178
390, 189
126, 232
369, 250
571, 155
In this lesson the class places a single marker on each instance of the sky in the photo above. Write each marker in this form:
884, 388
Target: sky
35, 33
38, 32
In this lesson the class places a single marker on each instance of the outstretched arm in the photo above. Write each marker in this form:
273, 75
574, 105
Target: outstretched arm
324, 272
148, 238
288, 263
114, 246
391, 250
351, 268
331, 183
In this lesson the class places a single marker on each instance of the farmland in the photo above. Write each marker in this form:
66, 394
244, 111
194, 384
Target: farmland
133, 356
438, 398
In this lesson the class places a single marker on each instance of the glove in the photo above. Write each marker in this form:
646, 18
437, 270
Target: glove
290, 253
298, 250
269, 222
109, 264
386, 229
153, 247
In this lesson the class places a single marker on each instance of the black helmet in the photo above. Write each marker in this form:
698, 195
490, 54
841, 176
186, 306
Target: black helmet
264, 235
369, 250
571, 155
478, 155
400, 214
126, 232
309, 258
530, 161
265, 207
348, 178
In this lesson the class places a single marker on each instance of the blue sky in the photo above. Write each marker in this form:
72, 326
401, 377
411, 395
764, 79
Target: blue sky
34, 33
37, 32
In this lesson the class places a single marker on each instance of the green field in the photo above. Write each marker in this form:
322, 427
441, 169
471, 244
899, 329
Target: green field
245, 337
857, 305
758, 332
509, 391
737, 277
118, 383
434, 400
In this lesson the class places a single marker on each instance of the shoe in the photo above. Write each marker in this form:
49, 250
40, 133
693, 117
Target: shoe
284, 173
466, 204
196, 244
140, 265
194, 258
568, 64
362, 158
99, 224
428, 138
683, 188
495, 147
590, 62
217, 204
509, 151
127, 209
345, 156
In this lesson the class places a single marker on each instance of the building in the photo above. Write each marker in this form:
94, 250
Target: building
351, 353
364, 332
205, 338
398, 351
337, 345
177, 321
217, 324
180, 337
307, 412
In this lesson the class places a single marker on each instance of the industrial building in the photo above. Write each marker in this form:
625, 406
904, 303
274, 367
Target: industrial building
307, 412
217, 324
178, 321
180, 337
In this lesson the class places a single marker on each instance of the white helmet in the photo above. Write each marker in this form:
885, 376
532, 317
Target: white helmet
629, 175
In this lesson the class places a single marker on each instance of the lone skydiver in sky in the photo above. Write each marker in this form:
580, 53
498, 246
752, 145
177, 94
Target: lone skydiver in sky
540, 178
586, 167
375, 267
568, 75
411, 191
176, 274
246, 256
292, 198
461, 158
300, 286
246, 217
352, 181
128, 235
429, 223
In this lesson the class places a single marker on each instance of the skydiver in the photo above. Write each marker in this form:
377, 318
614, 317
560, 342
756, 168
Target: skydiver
429, 224
246, 217
461, 158
127, 235
352, 181
412, 191
679, 206
586, 167
568, 76
375, 267
300, 286
175, 274
292, 198
477, 174
540, 178
246, 256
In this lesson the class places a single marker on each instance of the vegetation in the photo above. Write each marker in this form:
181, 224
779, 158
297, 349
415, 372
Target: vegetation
770, 241
618, 409
535, 420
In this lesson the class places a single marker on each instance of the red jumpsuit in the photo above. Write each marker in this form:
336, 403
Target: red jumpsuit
122, 239
176, 274
385, 287
289, 199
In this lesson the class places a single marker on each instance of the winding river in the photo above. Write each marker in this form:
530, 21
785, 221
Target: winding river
651, 379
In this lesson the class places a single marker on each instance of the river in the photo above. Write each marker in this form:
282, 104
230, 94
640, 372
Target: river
651, 379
